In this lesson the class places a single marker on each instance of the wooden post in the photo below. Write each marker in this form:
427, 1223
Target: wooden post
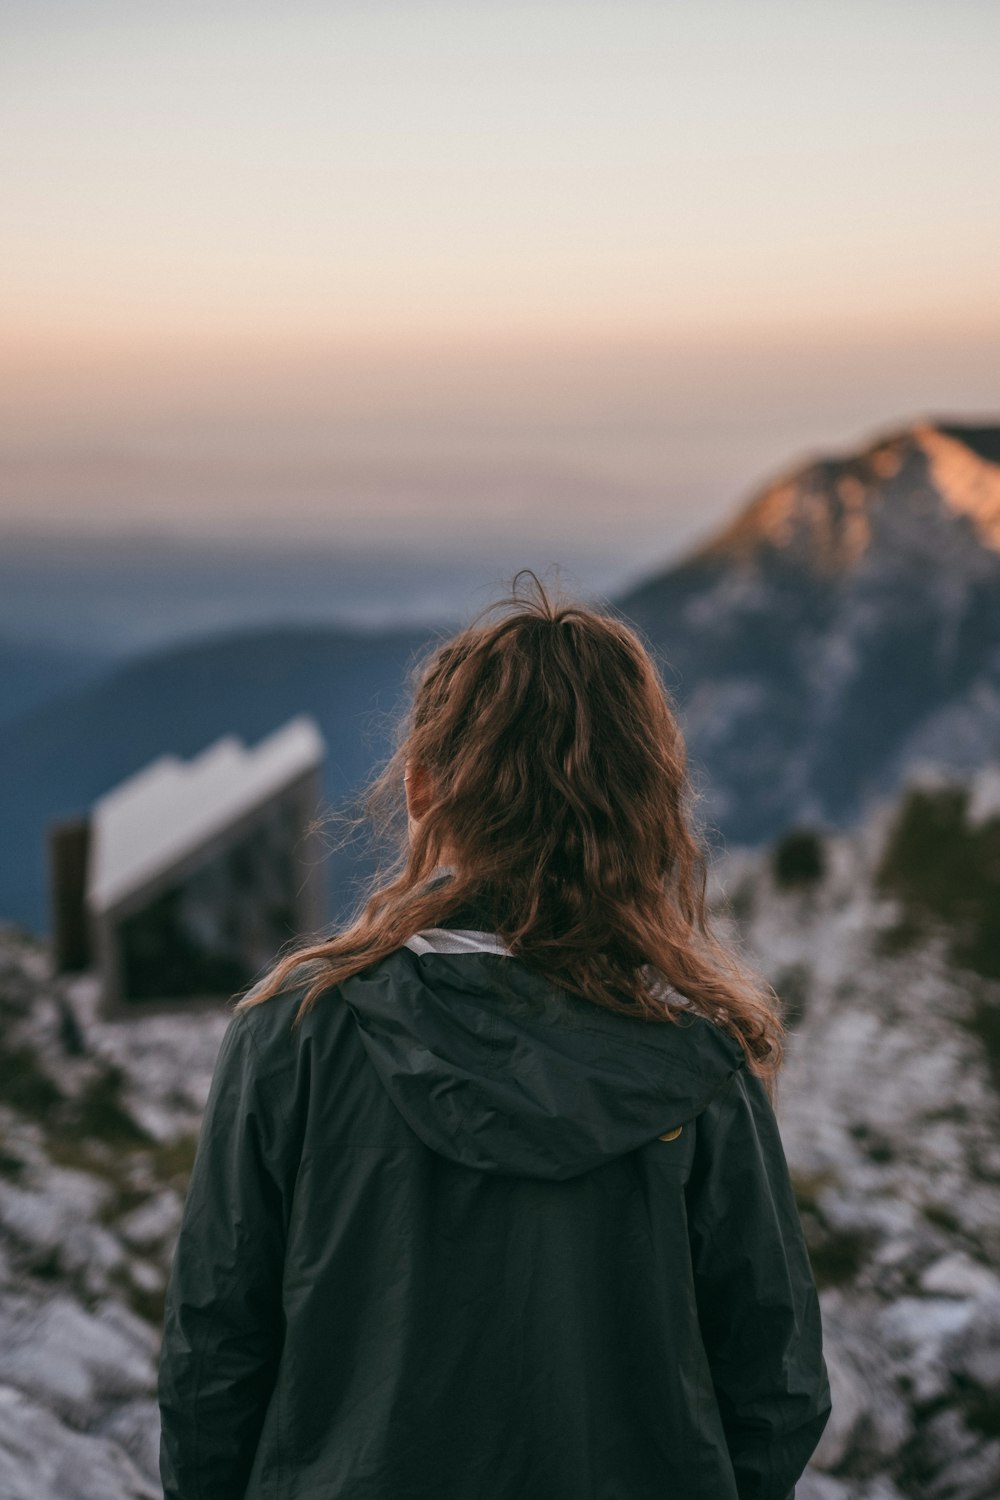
69, 842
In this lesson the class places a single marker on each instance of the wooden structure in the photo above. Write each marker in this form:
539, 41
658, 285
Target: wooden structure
184, 881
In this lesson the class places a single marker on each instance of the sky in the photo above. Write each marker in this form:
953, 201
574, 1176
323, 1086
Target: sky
560, 278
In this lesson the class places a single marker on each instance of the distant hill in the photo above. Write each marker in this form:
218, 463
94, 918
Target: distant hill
55, 761
844, 626
32, 674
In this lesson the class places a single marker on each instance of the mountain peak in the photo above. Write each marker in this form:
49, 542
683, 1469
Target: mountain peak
828, 513
964, 464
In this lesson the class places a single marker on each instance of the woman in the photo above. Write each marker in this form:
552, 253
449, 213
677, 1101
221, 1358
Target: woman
490, 1201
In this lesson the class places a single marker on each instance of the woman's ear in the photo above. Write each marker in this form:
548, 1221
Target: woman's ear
417, 782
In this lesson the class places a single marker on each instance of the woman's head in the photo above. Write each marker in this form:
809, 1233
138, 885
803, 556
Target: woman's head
542, 754
541, 760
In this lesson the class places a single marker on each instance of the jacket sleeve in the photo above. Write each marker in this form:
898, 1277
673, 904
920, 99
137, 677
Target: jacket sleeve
758, 1306
223, 1319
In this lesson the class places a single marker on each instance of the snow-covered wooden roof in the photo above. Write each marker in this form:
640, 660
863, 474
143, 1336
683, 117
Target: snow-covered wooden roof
164, 812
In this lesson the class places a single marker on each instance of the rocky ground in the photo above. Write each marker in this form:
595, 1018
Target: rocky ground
98, 1124
885, 947
882, 947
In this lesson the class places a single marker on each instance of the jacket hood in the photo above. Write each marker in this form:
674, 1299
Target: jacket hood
497, 1069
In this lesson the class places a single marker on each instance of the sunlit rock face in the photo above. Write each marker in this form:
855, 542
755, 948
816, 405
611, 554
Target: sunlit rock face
916, 487
842, 630
883, 948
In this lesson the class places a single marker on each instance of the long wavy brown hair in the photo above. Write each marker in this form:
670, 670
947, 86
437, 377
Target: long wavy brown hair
562, 801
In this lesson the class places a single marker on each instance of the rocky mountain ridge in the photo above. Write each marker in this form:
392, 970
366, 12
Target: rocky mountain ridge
831, 513
843, 629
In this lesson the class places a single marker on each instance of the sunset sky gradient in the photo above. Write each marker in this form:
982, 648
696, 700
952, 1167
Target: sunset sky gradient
344, 270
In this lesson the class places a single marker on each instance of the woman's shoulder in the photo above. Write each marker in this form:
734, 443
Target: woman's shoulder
278, 1024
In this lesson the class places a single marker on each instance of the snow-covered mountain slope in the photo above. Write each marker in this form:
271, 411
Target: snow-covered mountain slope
884, 947
842, 629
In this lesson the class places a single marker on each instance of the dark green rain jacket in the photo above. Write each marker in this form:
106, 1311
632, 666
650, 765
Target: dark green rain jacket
462, 1236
